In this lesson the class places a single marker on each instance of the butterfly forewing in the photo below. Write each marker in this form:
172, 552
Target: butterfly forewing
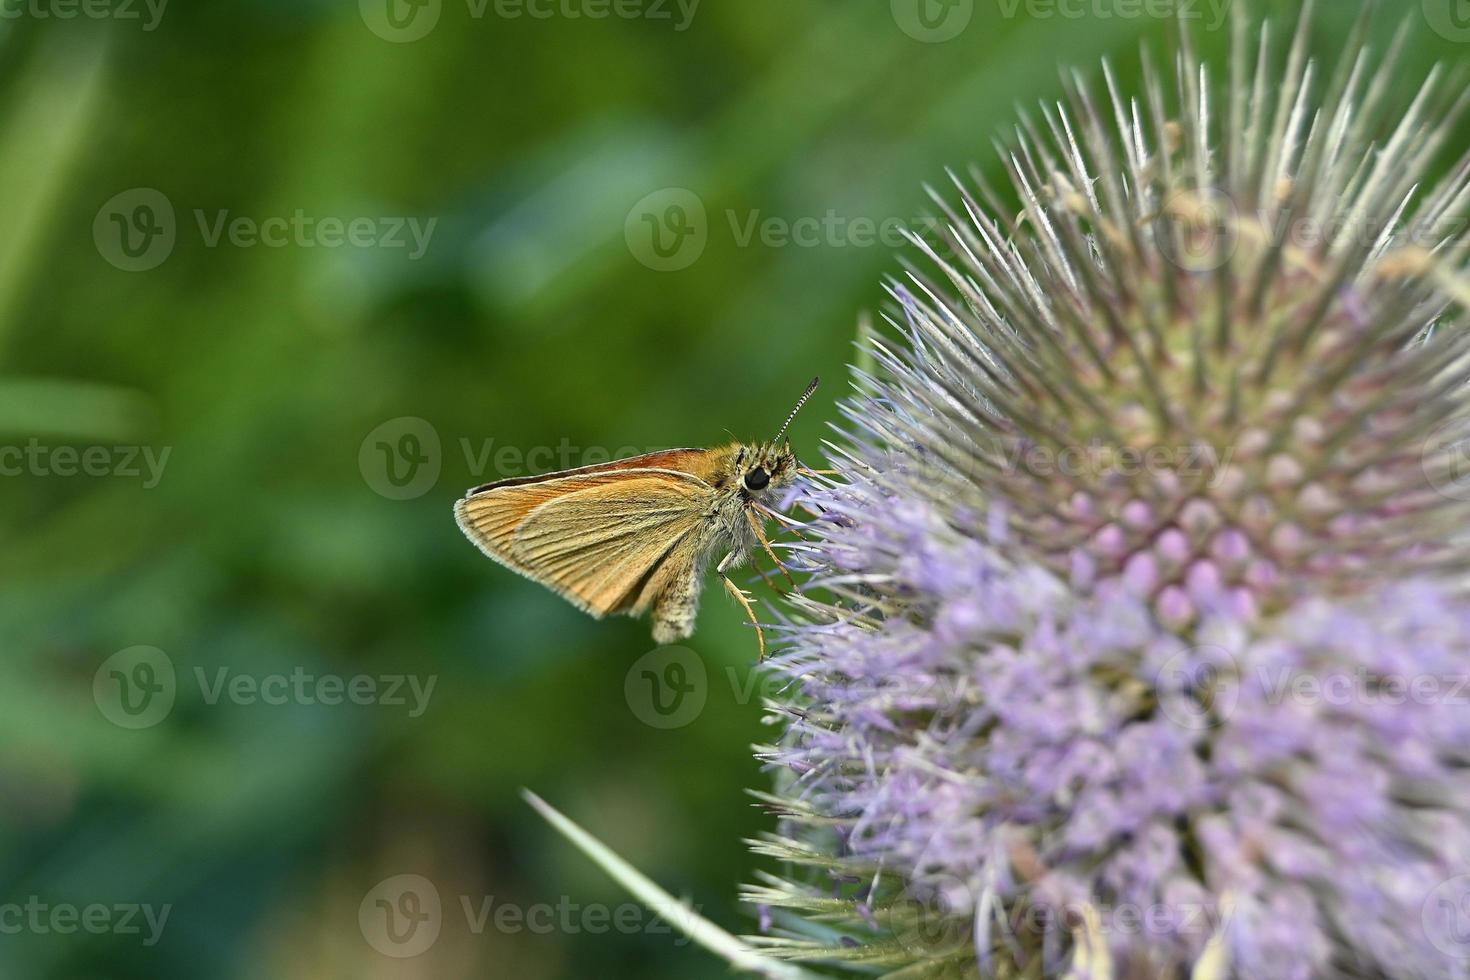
597, 536
695, 462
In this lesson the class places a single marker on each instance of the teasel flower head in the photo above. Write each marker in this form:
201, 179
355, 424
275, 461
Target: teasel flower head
1136, 627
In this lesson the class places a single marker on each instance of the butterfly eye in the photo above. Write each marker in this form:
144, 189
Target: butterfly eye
756, 479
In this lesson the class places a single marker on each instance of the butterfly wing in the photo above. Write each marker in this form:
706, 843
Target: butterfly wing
596, 538
696, 462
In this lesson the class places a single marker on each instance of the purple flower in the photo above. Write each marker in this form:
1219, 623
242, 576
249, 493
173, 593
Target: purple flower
1135, 615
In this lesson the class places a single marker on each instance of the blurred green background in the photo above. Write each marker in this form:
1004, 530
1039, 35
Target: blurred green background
649, 229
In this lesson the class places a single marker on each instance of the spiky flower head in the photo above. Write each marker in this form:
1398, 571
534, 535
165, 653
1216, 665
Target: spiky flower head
1136, 639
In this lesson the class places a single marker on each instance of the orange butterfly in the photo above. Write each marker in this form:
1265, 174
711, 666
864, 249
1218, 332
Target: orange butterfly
637, 535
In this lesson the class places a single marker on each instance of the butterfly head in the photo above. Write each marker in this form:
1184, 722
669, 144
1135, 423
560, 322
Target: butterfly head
765, 469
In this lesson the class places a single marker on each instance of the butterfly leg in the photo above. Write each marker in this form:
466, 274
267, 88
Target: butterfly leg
764, 577
760, 535
743, 599
797, 527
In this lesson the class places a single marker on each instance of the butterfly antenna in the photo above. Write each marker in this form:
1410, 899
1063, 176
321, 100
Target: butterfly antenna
799, 402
